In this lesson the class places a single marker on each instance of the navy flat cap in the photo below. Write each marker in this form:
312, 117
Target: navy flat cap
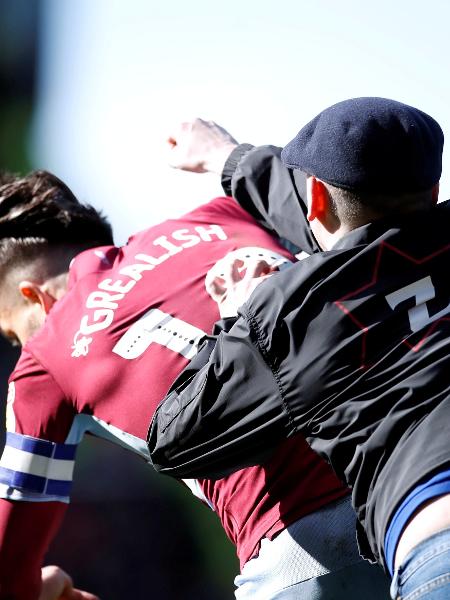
370, 144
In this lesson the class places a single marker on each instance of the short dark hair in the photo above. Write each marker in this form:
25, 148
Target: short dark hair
39, 212
356, 208
40, 205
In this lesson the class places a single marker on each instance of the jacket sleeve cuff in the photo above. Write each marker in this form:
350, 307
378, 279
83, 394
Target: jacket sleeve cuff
231, 164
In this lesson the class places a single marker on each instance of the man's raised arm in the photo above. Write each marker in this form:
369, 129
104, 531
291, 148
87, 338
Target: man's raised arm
255, 176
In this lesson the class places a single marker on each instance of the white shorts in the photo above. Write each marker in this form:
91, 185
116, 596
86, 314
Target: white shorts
315, 558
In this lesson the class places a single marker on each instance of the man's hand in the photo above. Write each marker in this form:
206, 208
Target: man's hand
58, 585
232, 288
200, 146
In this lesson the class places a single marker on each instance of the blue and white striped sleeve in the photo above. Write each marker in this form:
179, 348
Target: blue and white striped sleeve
36, 470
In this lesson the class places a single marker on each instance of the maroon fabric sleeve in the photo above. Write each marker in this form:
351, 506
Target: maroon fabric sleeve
26, 530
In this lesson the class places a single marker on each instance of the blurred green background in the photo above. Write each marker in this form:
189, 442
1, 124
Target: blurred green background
129, 533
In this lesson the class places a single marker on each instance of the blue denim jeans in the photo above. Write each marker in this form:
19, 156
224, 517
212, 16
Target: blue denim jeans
425, 572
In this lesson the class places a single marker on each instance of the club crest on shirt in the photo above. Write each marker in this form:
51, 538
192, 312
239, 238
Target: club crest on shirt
80, 345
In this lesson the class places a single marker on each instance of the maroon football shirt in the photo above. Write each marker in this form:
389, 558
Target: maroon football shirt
108, 353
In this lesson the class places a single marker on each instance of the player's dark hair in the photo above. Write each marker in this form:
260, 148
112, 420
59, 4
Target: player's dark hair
39, 212
40, 205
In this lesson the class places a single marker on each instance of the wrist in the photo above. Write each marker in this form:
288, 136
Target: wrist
217, 159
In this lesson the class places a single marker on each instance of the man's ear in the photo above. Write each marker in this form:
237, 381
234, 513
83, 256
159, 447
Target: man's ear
318, 199
36, 294
435, 193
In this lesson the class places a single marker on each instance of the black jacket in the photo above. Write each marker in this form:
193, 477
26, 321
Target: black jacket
351, 347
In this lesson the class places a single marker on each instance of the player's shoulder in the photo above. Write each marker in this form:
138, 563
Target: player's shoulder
223, 207
222, 210
93, 260
27, 364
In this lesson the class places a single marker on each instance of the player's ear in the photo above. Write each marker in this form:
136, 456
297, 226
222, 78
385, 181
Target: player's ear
318, 199
36, 294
